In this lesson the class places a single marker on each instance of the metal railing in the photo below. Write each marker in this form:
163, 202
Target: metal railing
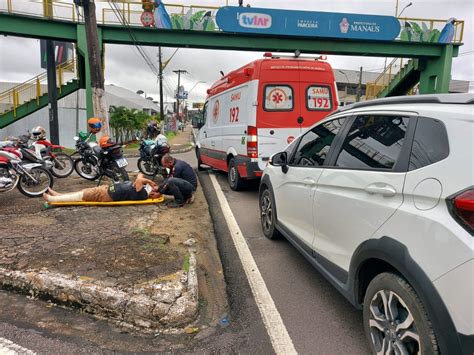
412, 29
36, 87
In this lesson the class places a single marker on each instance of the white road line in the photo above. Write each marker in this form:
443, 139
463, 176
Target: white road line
8, 347
281, 341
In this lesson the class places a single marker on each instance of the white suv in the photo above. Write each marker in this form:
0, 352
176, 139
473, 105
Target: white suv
379, 197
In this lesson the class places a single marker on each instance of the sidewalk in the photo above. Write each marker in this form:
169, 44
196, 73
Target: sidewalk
181, 143
137, 266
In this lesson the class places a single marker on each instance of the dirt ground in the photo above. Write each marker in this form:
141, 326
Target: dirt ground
121, 246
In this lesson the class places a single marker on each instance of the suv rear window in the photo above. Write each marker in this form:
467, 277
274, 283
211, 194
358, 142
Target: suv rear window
430, 143
373, 142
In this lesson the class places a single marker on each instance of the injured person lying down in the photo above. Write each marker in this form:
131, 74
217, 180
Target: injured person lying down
141, 189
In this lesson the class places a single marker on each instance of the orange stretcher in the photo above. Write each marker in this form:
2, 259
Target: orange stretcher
149, 201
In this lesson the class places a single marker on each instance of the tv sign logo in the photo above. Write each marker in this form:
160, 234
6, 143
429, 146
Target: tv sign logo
254, 20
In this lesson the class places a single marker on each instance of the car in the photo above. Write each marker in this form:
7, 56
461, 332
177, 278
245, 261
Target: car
379, 197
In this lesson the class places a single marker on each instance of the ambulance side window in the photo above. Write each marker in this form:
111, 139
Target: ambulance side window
278, 98
202, 118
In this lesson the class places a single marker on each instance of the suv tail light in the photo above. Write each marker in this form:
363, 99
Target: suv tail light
462, 208
252, 142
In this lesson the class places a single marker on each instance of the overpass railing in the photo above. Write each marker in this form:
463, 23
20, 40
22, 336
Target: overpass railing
36, 87
196, 17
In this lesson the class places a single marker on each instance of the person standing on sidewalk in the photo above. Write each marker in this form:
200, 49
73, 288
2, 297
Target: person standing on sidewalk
181, 183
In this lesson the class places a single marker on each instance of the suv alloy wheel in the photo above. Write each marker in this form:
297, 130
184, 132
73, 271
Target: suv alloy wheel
395, 320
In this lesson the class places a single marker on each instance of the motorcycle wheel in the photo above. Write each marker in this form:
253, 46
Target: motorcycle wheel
86, 170
30, 188
120, 174
145, 167
63, 165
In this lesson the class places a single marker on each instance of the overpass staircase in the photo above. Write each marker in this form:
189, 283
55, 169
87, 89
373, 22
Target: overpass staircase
399, 78
30, 96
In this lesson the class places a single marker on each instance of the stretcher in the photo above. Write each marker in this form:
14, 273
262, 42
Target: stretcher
149, 201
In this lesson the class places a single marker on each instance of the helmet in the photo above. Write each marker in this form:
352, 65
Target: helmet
105, 142
38, 133
94, 124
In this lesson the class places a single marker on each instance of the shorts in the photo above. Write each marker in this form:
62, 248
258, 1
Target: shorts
97, 194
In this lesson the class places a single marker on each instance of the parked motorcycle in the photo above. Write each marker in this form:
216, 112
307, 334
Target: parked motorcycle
31, 179
149, 162
63, 165
95, 163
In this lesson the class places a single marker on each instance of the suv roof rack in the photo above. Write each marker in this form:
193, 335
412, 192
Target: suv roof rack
418, 99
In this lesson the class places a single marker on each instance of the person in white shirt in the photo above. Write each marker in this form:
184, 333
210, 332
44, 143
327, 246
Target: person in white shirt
161, 140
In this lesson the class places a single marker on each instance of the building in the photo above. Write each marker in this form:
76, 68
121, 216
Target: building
72, 112
348, 81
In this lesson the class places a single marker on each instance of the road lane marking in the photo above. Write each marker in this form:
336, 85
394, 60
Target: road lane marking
281, 341
8, 347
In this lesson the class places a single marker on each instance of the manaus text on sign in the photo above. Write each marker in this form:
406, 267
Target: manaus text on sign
307, 23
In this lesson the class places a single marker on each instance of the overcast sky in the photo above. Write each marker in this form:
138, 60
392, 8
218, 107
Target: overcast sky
19, 58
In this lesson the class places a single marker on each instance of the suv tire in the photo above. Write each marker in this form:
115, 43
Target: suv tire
268, 215
394, 318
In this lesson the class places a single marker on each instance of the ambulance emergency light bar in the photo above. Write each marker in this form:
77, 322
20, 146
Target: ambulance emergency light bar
296, 55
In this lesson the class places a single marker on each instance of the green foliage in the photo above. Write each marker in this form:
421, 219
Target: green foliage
413, 32
200, 21
124, 121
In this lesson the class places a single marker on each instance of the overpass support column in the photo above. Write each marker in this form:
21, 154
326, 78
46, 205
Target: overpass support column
435, 77
84, 67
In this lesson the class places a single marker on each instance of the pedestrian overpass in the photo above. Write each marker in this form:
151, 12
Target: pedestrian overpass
424, 63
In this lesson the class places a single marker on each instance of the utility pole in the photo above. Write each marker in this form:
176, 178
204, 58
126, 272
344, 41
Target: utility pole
179, 71
51, 74
160, 77
359, 87
95, 64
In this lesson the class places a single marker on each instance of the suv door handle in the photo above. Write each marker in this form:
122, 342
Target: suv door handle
309, 181
381, 189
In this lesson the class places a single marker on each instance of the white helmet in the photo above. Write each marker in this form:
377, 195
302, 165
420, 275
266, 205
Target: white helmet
38, 133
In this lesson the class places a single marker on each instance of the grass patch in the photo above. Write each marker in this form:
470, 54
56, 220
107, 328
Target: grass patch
186, 263
170, 134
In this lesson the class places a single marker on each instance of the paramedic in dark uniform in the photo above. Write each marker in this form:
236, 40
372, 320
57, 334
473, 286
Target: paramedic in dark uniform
181, 183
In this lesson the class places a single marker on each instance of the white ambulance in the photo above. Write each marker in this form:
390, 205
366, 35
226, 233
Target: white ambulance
257, 110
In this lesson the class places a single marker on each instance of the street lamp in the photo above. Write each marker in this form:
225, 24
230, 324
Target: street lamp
348, 83
396, 9
141, 92
199, 82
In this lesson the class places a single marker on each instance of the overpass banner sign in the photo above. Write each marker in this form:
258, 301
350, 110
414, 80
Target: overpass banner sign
240, 19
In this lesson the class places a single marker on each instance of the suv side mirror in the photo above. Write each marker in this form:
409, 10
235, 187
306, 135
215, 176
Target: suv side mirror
280, 159
200, 124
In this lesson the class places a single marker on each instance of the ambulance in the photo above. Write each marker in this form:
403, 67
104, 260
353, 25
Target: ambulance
257, 110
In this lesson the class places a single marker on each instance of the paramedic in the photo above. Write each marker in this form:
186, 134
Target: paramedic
181, 183
141, 189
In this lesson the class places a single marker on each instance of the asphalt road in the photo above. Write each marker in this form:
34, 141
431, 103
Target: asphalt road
318, 319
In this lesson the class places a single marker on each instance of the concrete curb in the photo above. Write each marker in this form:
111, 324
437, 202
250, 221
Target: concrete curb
156, 304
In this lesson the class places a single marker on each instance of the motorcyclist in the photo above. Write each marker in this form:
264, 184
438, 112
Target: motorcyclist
161, 143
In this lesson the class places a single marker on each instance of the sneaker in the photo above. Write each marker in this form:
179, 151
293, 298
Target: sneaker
174, 204
190, 199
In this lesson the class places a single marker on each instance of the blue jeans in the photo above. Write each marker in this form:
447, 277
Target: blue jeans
179, 188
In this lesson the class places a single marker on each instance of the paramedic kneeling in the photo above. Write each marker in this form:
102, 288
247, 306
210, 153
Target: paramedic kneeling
181, 183
141, 189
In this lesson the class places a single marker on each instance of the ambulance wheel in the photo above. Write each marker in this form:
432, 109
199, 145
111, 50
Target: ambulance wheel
198, 157
236, 183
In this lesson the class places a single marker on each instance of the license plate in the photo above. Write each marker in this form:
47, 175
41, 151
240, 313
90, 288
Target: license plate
122, 162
